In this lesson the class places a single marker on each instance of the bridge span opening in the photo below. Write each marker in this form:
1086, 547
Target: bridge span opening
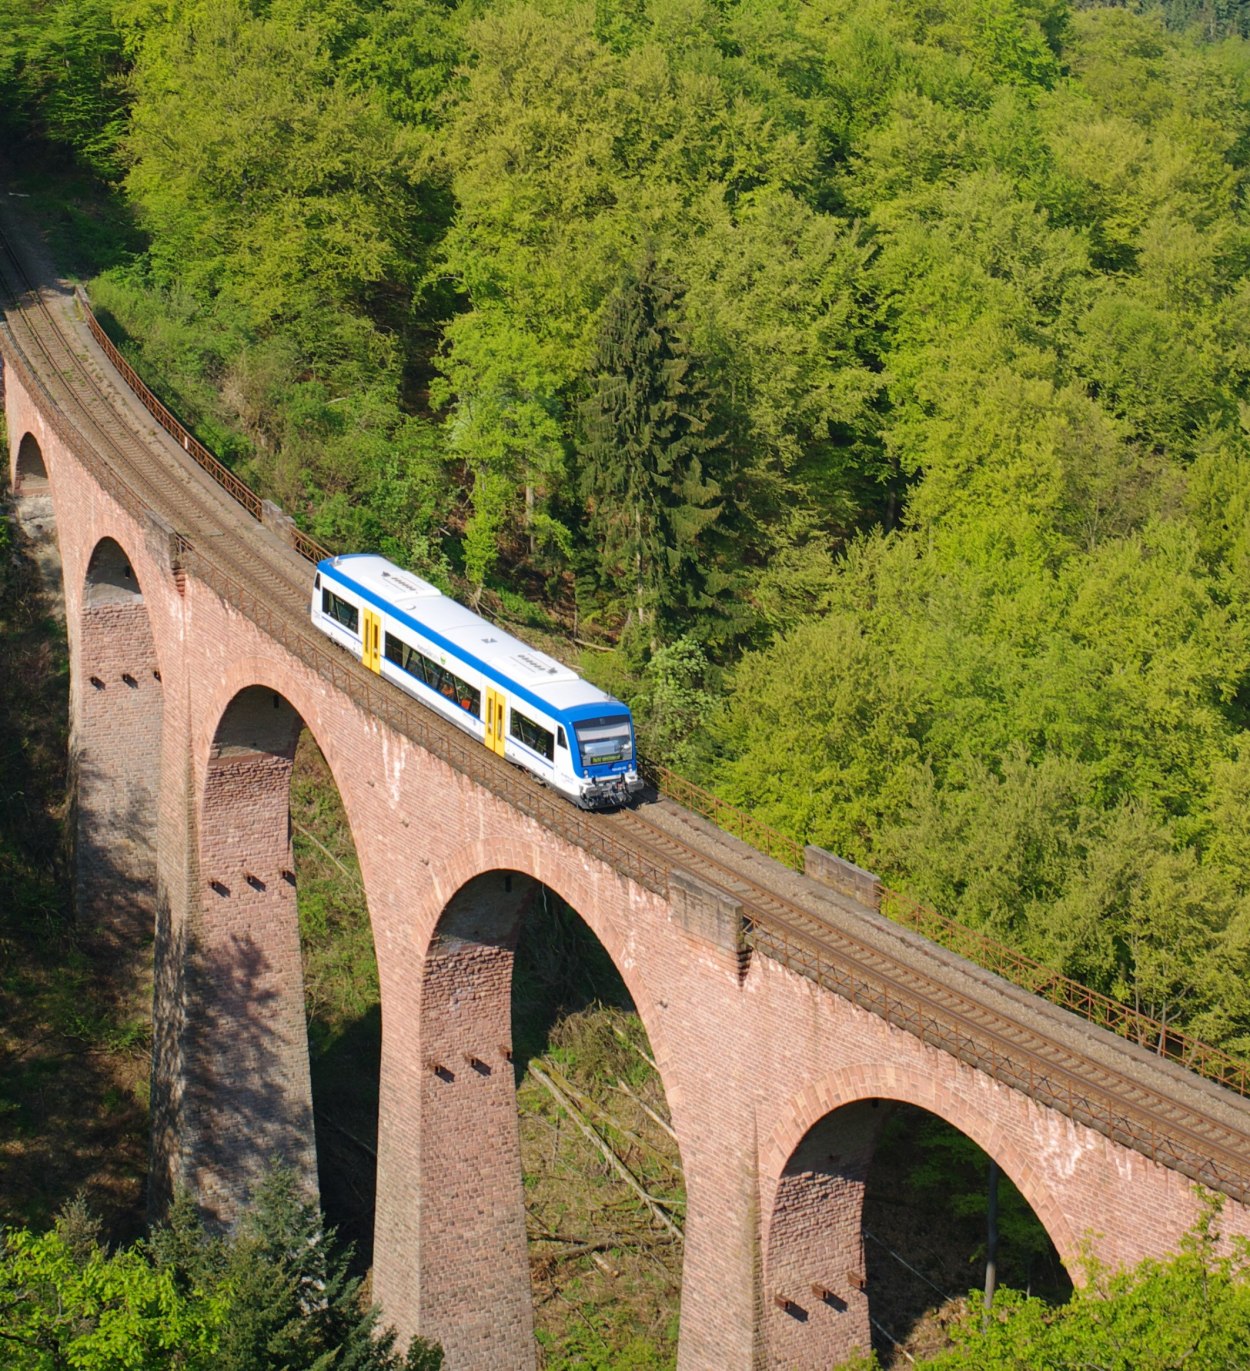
882, 1225
551, 1179
284, 1023
36, 517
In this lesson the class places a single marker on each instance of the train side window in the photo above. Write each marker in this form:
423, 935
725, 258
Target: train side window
447, 683
317, 581
532, 735
340, 611
561, 740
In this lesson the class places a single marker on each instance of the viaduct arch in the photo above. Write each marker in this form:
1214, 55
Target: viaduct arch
813, 1180
771, 1029
117, 706
465, 1212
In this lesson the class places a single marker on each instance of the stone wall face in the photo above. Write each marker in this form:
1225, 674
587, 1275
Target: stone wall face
116, 759
476, 1286
816, 1299
766, 1074
246, 1072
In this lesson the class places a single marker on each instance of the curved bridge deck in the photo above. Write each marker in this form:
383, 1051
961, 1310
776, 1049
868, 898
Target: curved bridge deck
748, 906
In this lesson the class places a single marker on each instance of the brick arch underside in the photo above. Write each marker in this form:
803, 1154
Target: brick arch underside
815, 1166
35, 507
475, 1293
30, 468
118, 716
248, 1090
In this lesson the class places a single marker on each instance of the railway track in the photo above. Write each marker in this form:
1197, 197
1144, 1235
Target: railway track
57, 362
777, 925
911, 984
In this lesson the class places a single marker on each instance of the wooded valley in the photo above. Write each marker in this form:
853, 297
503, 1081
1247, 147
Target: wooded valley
868, 378
859, 388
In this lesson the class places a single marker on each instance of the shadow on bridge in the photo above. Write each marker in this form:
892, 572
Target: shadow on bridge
244, 1103
74, 997
884, 1210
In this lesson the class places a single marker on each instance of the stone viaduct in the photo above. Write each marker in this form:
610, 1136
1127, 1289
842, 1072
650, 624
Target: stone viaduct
781, 1010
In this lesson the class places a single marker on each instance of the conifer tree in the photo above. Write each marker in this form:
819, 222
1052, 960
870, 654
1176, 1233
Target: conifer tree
649, 459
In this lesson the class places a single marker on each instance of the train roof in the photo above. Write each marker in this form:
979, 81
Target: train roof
550, 683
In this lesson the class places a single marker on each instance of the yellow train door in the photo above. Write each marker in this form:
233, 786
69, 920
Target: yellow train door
495, 706
371, 641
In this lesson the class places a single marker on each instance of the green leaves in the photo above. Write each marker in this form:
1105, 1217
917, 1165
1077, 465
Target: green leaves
1188, 1312
1032, 751
651, 457
259, 173
95, 1312
60, 67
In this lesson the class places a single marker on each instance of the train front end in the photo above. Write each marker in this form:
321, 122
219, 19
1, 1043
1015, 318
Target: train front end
607, 761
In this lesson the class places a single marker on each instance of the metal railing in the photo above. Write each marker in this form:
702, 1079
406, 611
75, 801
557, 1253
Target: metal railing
1023, 971
1147, 1125
190, 444
1091, 1005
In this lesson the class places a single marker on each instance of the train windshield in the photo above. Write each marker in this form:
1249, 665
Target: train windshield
605, 740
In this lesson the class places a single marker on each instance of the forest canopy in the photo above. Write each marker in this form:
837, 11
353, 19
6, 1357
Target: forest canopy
870, 378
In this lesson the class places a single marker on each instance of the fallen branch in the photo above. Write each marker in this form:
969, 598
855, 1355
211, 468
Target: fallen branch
321, 847
628, 1041
591, 1106
594, 1332
646, 1109
592, 1136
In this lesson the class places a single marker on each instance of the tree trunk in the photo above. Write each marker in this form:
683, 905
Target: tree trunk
991, 1241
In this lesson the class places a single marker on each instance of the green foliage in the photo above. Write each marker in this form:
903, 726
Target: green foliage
649, 463
939, 451
1011, 746
676, 699
941, 1177
60, 66
68, 1303
282, 1286
1190, 1311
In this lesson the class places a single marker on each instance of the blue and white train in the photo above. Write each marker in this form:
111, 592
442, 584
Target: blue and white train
515, 700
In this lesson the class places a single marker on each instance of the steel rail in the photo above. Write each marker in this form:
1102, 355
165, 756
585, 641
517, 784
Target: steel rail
942, 1015
987, 1046
1030, 974
1163, 1040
